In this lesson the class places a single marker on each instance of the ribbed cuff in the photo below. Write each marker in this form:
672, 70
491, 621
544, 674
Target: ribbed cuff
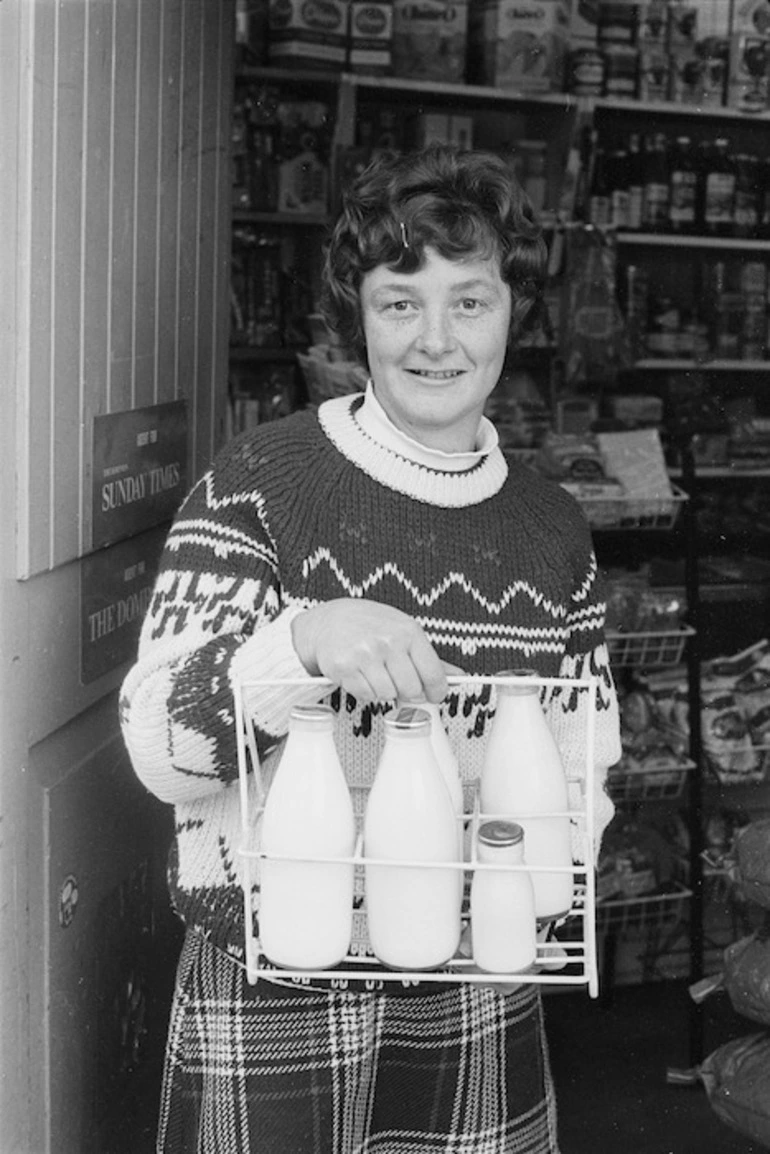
268, 657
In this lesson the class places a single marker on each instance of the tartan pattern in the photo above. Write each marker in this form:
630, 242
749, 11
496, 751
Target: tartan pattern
271, 1070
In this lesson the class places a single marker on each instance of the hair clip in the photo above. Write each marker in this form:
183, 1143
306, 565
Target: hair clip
404, 241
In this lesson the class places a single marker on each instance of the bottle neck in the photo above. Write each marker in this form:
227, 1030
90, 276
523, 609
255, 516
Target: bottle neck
512, 854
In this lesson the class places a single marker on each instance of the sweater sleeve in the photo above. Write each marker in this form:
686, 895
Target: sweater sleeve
217, 615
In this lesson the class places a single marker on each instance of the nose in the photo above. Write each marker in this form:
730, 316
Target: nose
436, 335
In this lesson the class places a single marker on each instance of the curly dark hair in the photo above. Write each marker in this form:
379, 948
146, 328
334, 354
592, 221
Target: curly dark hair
459, 203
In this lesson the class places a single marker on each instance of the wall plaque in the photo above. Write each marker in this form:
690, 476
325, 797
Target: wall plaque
139, 470
115, 590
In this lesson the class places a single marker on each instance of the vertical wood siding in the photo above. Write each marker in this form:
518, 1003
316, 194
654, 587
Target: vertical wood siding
124, 239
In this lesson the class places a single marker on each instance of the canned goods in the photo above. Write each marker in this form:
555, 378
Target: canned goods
615, 24
753, 277
621, 72
585, 72
654, 74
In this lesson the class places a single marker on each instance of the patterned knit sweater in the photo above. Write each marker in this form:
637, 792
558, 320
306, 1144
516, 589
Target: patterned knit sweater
495, 563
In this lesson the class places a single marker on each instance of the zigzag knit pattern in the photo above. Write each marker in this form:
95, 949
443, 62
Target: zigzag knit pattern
494, 562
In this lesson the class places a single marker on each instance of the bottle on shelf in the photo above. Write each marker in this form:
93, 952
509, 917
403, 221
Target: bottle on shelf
656, 184
682, 187
635, 164
503, 923
523, 780
413, 913
619, 188
635, 304
599, 195
763, 206
747, 195
718, 179
306, 906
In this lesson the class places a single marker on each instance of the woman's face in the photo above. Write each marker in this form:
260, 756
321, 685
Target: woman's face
436, 342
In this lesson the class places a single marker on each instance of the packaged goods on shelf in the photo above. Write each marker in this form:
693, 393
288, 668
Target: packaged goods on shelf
327, 374
261, 393
313, 34
521, 46
751, 16
637, 858
430, 39
370, 37
748, 87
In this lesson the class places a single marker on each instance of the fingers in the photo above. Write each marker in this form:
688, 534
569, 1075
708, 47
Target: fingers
373, 651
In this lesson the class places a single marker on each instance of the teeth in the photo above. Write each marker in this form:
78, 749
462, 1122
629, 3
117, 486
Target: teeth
445, 376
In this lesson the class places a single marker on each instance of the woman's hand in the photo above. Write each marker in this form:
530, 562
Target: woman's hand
373, 651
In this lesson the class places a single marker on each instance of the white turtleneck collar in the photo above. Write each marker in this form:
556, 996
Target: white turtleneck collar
374, 445
375, 421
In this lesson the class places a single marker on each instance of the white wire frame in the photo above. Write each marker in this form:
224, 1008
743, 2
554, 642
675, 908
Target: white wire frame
577, 951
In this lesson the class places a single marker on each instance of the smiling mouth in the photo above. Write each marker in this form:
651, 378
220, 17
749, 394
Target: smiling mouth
434, 375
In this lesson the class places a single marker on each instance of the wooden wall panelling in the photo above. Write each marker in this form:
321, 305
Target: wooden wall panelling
125, 240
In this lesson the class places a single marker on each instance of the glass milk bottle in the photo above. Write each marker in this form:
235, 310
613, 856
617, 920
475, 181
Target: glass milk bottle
306, 907
503, 925
447, 763
413, 914
522, 776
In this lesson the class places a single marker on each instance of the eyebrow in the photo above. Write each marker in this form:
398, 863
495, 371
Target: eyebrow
463, 286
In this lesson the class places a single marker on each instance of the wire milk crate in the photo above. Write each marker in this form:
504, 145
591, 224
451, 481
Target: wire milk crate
574, 957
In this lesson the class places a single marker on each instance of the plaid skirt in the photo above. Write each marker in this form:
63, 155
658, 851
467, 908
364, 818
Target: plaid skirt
272, 1069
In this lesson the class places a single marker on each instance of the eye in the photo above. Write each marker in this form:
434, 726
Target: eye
401, 306
471, 304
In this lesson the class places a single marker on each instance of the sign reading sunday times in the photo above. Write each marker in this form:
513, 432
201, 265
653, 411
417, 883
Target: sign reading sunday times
139, 470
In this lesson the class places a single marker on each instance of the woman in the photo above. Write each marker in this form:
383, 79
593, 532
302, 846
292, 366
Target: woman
383, 542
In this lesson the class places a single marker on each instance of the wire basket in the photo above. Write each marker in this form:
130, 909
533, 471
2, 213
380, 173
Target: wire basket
645, 913
663, 783
649, 648
579, 954
613, 512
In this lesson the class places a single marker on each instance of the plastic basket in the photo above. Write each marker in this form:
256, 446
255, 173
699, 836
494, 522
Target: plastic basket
613, 512
581, 960
663, 783
648, 648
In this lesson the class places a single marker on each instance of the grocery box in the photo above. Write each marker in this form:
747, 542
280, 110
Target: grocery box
370, 38
315, 34
582, 27
519, 45
748, 72
682, 26
752, 16
430, 39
